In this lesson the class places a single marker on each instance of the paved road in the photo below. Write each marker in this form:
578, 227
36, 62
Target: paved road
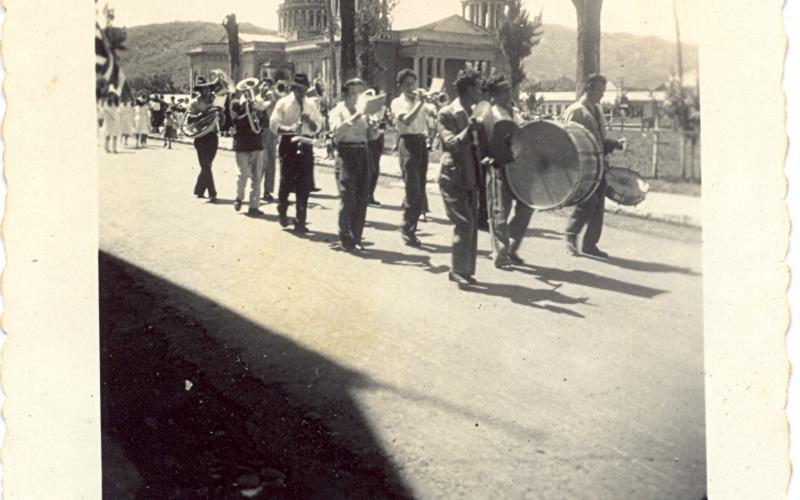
567, 378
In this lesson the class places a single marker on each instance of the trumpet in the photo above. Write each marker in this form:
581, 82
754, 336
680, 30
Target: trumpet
247, 93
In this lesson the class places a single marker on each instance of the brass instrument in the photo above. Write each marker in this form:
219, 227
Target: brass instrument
194, 126
246, 90
281, 88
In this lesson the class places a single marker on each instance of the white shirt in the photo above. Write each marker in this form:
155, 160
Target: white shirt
402, 105
356, 131
287, 114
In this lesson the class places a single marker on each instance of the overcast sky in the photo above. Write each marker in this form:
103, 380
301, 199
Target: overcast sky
641, 17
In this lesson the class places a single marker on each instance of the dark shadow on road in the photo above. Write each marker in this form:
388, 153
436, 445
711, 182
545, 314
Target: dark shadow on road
186, 415
556, 277
537, 298
649, 267
547, 234
401, 259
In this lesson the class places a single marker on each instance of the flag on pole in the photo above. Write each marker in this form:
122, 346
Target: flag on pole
106, 65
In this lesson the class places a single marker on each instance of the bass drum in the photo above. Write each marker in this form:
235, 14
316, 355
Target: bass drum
555, 164
625, 186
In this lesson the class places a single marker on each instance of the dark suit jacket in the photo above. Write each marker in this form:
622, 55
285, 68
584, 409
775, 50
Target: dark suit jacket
459, 165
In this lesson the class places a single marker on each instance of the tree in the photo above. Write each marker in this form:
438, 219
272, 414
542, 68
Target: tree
588, 12
517, 36
372, 21
332, 31
232, 28
347, 14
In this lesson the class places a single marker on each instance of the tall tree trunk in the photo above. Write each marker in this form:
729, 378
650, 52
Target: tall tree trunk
333, 75
232, 28
347, 15
588, 39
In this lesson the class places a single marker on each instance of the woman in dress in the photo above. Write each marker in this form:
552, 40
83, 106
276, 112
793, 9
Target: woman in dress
111, 123
127, 120
142, 122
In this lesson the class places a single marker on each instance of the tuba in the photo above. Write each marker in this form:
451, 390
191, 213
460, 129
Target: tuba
196, 126
247, 103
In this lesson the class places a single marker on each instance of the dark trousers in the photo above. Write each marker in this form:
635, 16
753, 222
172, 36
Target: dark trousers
297, 167
589, 214
353, 180
506, 234
375, 153
461, 206
206, 147
483, 202
413, 152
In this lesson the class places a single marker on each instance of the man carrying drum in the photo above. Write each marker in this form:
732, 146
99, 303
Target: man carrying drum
351, 131
506, 235
587, 112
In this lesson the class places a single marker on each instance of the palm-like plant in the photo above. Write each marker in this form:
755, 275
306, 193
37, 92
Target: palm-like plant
518, 35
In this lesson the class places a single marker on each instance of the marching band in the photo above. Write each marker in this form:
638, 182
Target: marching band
475, 134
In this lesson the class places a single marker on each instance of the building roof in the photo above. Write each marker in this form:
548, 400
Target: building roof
256, 37
452, 24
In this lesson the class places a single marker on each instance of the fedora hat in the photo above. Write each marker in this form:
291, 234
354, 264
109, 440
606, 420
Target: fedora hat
300, 80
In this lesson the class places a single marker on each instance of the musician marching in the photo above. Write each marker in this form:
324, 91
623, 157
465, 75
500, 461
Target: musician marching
295, 119
458, 179
207, 143
247, 143
269, 141
351, 132
376, 147
506, 234
587, 112
412, 129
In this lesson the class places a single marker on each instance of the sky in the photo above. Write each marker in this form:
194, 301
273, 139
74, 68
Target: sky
640, 17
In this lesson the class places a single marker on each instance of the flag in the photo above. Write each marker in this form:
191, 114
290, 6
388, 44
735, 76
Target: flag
106, 65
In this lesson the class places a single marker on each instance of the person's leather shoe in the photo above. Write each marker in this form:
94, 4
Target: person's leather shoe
374, 202
254, 212
504, 265
237, 204
283, 220
411, 240
268, 198
595, 252
300, 228
572, 244
461, 279
515, 259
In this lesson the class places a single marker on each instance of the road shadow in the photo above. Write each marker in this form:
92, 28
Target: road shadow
400, 259
185, 414
549, 300
556, 277
649, 267
546, 234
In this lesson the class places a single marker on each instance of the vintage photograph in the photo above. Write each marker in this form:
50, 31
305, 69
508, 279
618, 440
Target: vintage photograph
400, 249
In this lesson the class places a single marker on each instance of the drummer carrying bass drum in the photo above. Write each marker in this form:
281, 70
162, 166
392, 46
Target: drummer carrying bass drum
506, 234
587, 112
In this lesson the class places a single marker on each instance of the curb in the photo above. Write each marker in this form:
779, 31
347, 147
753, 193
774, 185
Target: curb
675, 220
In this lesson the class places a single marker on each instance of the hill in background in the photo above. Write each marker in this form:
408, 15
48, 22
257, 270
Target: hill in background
643, 61
162, 48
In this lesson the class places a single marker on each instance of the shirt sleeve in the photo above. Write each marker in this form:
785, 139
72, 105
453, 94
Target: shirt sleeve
276, 119
315, 115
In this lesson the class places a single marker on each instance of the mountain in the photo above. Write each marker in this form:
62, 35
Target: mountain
643, 61
162, 48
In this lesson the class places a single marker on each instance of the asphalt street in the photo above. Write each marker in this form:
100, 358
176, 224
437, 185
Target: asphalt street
566, 378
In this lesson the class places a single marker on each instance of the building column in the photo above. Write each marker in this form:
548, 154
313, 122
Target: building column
471, 10
423, 77
492, 11
464, 11
416, 68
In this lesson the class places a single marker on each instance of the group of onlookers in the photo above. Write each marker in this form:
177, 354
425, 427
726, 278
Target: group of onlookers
121, 120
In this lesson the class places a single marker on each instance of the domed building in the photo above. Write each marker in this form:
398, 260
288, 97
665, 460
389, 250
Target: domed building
300, 45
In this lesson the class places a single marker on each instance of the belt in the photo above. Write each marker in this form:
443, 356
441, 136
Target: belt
351, 144
414, 135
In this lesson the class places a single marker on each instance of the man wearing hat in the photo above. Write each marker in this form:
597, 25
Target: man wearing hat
458, 179
295, 120
248, 147
351, 132
589, 213
412, 131
506, 234
206, 145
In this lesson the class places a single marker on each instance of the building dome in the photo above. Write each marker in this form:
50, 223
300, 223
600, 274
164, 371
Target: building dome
300, 18
485, 14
